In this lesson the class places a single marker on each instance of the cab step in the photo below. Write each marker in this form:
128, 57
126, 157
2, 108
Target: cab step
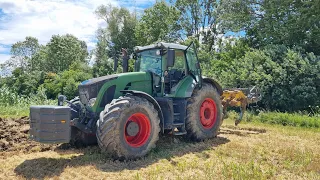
177, 133
179, 124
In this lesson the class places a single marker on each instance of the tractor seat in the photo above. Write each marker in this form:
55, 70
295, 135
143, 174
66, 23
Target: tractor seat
156, 82
175, 75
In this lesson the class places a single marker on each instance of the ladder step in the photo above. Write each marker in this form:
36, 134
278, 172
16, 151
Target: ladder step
179, 133
178, 124
176, 114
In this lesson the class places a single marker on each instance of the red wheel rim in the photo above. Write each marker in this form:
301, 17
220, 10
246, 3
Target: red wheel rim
208, 113
144, 130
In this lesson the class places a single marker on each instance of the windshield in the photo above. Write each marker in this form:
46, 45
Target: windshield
149, 60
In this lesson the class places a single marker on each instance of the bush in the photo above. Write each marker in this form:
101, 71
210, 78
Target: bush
12, 104
65, 83
288, 79
285, 119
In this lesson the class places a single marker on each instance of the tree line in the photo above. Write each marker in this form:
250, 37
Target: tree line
278, 49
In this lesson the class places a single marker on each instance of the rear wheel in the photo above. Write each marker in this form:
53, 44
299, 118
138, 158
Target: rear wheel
204, 113
128, 128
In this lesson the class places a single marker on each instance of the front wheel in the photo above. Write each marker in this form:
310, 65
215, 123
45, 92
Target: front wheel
128, 128
204, 113
79, 138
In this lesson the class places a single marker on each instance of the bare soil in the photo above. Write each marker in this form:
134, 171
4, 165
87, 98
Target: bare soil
14, 137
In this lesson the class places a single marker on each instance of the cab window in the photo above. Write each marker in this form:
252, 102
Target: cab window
179, 63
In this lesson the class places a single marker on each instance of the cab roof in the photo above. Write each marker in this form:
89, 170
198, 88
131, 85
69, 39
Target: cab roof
162, 45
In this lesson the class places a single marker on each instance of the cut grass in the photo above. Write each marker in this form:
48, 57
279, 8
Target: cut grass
250, 151
284, 119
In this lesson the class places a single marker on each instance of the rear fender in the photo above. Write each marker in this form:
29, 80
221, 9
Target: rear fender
214, 83
150, 99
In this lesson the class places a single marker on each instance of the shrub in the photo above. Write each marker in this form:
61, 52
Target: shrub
285, 119
12, 104
288, 79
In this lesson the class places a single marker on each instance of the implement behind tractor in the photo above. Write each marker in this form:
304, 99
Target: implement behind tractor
124, 113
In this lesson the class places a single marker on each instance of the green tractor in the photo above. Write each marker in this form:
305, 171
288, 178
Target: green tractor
124, 113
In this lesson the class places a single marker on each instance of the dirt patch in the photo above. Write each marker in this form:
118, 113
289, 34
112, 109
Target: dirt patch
14, 137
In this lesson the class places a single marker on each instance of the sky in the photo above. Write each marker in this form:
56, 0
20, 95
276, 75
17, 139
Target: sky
44, 18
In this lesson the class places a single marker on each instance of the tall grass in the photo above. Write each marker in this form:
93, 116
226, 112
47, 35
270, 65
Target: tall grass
285, 119
14, 105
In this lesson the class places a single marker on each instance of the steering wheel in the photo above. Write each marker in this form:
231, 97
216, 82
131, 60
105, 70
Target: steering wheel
177, 74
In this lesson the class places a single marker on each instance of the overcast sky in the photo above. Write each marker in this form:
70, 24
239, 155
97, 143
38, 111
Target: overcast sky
44, 18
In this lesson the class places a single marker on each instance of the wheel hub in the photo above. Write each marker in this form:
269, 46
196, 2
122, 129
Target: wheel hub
137, 130
208, 113
132, 128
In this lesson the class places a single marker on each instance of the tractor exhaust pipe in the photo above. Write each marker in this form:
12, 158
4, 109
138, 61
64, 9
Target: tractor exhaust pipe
125, 59
115, 66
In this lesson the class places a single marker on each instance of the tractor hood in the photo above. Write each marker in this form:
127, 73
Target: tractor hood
98, 80
89, 89
106, 88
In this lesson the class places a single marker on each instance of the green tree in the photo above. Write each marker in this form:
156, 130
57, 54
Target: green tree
118, 34
22, 53
22, 82
66, 82
289, 80
288, 22
103, 65
158, 23
198, 18
39, 59
64, 50
120, 29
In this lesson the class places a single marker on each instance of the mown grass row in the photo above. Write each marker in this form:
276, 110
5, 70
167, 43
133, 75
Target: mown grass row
284, 119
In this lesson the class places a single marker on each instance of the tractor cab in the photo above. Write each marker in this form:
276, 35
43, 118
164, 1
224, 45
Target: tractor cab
170, 65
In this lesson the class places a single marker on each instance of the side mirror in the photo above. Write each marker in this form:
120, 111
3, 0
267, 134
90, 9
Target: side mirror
171, 57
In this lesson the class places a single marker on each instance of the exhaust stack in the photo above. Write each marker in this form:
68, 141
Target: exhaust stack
125, 59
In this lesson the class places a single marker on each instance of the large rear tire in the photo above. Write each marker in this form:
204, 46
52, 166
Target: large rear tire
128, 128
204, 113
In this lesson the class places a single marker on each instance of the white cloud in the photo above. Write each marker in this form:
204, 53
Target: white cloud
44, 18
4, 57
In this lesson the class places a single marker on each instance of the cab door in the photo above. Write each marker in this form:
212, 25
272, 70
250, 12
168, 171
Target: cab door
193, 64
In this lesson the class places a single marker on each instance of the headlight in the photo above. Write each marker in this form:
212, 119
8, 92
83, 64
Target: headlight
92, 101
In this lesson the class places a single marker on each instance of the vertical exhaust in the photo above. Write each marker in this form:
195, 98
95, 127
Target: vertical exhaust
115, 65
125, 59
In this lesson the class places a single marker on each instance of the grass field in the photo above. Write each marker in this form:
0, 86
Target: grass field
249, 151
